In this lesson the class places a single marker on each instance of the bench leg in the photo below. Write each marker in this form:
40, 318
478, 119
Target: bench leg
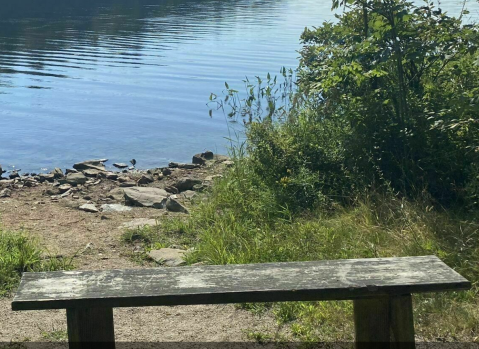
402, 323
90, 325
371, 323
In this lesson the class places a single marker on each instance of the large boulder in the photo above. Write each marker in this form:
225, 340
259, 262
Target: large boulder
186, 183
90, 165
146, 197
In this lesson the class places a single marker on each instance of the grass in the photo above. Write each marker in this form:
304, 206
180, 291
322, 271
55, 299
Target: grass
241, 223
19, 253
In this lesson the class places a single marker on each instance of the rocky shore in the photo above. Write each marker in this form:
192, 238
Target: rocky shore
90, 187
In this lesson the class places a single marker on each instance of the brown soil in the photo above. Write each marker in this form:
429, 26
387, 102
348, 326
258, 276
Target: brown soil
65, 230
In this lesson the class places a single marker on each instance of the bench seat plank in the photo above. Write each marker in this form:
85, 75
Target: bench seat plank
268, 282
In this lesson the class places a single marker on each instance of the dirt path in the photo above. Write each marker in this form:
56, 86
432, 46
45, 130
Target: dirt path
95, 238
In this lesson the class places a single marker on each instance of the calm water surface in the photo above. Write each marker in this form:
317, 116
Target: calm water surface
124, 79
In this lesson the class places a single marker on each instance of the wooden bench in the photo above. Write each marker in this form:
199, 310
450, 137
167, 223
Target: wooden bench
380, 288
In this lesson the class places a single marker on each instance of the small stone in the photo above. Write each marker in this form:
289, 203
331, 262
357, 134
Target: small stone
75, 179
198, 159
128, 184
138, 223
114, 208
87, 197
13, 175
172, 190
116, 194
5, 193
213, 177
170, 257
46, 177
89, 208
186, 183
146, 197
64, 187
174, 206
90, 164
208, 155
199, 187
57, 172
120, 165
91, 173
112, 176
146, 179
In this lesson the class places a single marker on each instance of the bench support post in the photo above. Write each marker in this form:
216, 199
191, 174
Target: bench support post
90, 325
371, 322
402, 322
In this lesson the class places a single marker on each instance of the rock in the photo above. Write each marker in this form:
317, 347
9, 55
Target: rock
89, 208
90, 164
5, 193
170, 257
146, 179
14, 174
188, 194
213, 177
112, 176
128, 184
70, 170
186, 183
1, 170
29, 182
184, 166
46, 177
174, 206
124, 179
199, 187
116, 194
91, 173
208, 155
146, 197
220, 158
57, 172
120, 165
138, 223
64, 187
75, 179
114, 208
166, 171
52, 191
228, 163
198, 159
171, 189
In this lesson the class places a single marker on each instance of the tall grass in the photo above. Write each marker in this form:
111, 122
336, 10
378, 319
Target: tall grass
19, 253
241, 222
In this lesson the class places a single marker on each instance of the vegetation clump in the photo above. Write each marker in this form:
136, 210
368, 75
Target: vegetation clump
21, 253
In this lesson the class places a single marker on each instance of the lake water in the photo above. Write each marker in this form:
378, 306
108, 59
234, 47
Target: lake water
122, 79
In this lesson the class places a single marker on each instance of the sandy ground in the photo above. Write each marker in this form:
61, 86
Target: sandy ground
67, 231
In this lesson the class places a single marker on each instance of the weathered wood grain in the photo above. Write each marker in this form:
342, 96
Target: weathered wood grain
402, 322
90, 327
269, 282
372, 323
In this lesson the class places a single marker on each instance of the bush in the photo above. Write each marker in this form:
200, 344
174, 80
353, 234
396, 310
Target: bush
403, 79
